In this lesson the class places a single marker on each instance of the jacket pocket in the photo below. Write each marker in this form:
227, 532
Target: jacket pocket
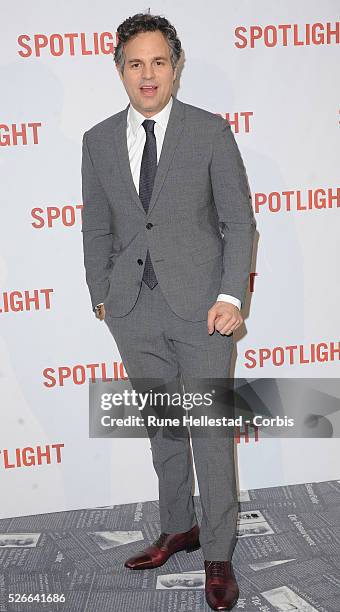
206, 254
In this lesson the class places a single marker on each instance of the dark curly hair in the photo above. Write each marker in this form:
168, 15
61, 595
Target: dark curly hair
144, 22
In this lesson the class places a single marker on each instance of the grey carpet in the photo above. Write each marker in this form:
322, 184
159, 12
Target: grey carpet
287, 556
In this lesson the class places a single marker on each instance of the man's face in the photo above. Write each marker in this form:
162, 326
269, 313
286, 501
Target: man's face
148, 74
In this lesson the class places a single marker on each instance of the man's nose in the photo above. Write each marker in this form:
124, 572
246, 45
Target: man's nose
148, 71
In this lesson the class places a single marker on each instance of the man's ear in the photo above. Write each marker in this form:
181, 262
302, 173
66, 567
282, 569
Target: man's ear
119, 72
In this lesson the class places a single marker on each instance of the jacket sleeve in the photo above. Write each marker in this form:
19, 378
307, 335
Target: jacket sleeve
234, 209
96, 230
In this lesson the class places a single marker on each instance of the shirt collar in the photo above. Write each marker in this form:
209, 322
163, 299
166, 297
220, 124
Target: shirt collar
135, 118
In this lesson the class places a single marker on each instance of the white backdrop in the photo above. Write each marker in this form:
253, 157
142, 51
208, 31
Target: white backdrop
279, 91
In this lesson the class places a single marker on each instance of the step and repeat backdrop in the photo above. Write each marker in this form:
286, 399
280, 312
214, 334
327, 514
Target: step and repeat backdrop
269, 67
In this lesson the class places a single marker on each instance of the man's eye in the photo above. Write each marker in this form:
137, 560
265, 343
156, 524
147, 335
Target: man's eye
134, 65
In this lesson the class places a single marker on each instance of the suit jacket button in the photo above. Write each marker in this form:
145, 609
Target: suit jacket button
149, 225
140, 261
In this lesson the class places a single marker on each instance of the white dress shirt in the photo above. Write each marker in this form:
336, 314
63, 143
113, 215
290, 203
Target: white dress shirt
136, 138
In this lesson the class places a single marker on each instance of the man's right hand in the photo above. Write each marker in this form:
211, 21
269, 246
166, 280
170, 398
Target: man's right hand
100, 312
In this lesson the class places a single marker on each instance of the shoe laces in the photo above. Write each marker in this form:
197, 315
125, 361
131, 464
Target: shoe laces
217, 568
160, 540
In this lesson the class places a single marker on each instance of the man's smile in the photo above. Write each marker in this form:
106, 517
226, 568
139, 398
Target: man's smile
148, 90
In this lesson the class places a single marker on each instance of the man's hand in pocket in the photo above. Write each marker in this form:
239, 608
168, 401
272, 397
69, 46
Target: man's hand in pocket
100, 312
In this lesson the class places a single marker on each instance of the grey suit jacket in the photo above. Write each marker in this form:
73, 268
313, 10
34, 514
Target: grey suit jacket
200, 225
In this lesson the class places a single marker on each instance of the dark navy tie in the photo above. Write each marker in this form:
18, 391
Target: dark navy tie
146, 180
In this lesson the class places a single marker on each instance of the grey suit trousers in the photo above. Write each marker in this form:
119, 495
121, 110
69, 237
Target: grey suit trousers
155, 342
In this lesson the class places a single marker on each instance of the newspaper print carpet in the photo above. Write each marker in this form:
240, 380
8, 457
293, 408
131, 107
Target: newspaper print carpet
287, 557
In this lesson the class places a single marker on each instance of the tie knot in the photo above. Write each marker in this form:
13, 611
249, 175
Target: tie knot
148, 125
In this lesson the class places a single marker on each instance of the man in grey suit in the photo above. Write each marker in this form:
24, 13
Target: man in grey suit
168, 230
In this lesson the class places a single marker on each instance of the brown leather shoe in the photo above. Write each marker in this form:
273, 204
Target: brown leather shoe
165, 546
221, 589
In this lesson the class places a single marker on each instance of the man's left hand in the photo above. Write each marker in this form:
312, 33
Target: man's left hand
224, 317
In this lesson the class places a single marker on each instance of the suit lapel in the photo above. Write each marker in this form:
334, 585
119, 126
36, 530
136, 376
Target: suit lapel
172, 135
171, 138
122, 154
